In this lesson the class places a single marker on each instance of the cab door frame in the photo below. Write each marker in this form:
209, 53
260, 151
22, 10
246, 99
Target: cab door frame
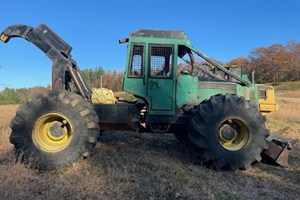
161, 78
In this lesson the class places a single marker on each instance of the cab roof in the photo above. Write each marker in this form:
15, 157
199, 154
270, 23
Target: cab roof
159, 34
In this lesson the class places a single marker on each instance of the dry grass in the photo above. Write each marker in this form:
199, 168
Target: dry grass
289, 94
128, 165
6, 113
287, 115
288, 86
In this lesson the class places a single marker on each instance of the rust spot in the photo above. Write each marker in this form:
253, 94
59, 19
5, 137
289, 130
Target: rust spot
3, 37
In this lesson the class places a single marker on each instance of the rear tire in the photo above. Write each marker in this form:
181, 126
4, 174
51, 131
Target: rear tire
228, 132
54, 130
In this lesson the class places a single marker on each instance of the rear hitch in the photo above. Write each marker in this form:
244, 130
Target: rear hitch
278, 150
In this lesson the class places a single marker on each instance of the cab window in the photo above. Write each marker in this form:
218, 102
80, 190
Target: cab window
161, 61
136, 68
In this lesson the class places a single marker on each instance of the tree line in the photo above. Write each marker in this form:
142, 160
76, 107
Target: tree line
275, 63
21, 95
97, 77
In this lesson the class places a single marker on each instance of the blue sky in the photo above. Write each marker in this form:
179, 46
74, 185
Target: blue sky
219, 28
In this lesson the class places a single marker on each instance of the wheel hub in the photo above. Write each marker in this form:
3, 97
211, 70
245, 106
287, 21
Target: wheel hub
227, 133
56, 131
233, 134
52, 132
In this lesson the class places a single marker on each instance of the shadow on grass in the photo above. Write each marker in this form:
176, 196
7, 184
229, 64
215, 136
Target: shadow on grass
157, 143
153, 166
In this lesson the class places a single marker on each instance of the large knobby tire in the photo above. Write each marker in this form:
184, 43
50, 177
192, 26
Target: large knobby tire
229, 132
54, 130
181, 135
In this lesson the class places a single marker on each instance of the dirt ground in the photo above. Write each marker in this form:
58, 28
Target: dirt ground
129, 165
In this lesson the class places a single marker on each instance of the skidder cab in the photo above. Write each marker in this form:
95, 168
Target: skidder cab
177, 88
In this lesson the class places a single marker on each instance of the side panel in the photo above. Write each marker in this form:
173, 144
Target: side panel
161, 93
191, 92
121, 116
250, 93
187, 91
209, 88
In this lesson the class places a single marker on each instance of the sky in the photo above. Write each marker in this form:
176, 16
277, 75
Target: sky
222, 29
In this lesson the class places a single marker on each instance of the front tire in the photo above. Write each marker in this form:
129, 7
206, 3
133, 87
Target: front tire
228, 132
54, 130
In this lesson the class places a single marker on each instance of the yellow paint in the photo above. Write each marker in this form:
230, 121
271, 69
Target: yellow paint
103, 96
267, 101
45, 138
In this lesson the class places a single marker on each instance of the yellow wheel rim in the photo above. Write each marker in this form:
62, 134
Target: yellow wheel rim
233, 134
52, 132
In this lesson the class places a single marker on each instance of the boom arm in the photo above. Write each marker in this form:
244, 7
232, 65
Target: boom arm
64, 68
220, 67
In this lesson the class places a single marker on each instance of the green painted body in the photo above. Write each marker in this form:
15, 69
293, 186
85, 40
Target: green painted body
191, 91
168, 94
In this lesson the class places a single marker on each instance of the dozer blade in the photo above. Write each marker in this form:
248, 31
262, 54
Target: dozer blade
278, 150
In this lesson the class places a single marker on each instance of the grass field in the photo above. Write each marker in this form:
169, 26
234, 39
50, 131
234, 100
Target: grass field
128, 165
